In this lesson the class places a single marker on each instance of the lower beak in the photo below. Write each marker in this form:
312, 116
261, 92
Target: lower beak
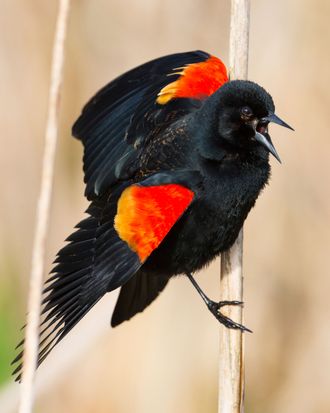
267, 143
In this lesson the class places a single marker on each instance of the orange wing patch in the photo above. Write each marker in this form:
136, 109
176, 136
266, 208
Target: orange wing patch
146, 214
197, 80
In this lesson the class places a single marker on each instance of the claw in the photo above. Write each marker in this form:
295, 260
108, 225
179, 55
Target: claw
214, 307
223, 303
226, 321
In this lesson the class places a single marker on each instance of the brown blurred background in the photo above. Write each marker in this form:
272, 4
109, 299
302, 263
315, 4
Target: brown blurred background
166, 360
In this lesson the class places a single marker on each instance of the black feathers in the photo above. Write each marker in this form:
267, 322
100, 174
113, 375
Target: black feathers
175, 157
94, 262
121, 115
136, 295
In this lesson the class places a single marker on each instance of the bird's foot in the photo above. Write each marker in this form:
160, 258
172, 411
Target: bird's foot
214, 307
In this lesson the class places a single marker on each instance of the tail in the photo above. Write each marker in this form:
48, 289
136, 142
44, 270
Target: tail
94, 262
140, 291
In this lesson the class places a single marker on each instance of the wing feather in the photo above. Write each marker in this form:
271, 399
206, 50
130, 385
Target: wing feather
122, 115
106, 250
82, 275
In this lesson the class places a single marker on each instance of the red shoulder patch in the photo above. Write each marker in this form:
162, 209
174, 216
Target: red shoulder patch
197, 80
146, 214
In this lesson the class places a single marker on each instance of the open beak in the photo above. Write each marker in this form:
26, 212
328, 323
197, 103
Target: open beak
267, 143
265, 140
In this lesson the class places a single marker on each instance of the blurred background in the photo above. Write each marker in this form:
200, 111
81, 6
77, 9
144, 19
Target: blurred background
166, 360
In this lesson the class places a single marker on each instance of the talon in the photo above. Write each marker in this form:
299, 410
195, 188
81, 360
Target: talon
214, 307
224, 303
226, 321
229, 323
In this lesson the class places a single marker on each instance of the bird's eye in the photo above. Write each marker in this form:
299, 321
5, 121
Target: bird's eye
246, 113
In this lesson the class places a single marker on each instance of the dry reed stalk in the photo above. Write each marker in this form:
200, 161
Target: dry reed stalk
42, 215
231, 364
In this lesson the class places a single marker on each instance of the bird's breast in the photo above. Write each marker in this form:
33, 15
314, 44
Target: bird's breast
212, 222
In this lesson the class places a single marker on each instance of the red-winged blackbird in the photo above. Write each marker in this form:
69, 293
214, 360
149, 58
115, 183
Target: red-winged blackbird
175, 156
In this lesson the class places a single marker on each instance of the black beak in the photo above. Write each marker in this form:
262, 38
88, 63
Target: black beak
267, 143
275, 119
265, 140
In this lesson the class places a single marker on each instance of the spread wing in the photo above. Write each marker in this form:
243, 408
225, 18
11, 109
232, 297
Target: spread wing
118, 120
106, 251
94, 261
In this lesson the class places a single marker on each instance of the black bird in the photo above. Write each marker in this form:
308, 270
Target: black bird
175, 156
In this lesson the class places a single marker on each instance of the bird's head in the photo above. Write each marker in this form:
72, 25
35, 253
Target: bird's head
245, 110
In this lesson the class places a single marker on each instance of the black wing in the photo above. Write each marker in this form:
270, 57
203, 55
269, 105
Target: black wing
118, 119
94, 262
99, 259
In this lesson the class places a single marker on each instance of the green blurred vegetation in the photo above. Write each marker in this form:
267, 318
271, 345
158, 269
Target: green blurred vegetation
11, 315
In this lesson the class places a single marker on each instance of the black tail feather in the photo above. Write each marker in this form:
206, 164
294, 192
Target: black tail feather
136, 295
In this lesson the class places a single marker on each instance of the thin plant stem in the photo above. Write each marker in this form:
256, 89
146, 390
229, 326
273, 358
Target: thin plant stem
231, 363
42, 215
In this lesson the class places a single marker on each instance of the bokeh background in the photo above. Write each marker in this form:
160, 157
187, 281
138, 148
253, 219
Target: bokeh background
166, 360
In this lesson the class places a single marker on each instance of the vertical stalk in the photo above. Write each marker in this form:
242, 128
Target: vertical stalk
42, 215
231, 364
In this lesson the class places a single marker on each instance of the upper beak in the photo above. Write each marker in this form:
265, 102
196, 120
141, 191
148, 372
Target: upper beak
267, 143
275, 119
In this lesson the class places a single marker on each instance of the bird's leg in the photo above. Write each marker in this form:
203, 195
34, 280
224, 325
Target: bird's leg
214, 307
